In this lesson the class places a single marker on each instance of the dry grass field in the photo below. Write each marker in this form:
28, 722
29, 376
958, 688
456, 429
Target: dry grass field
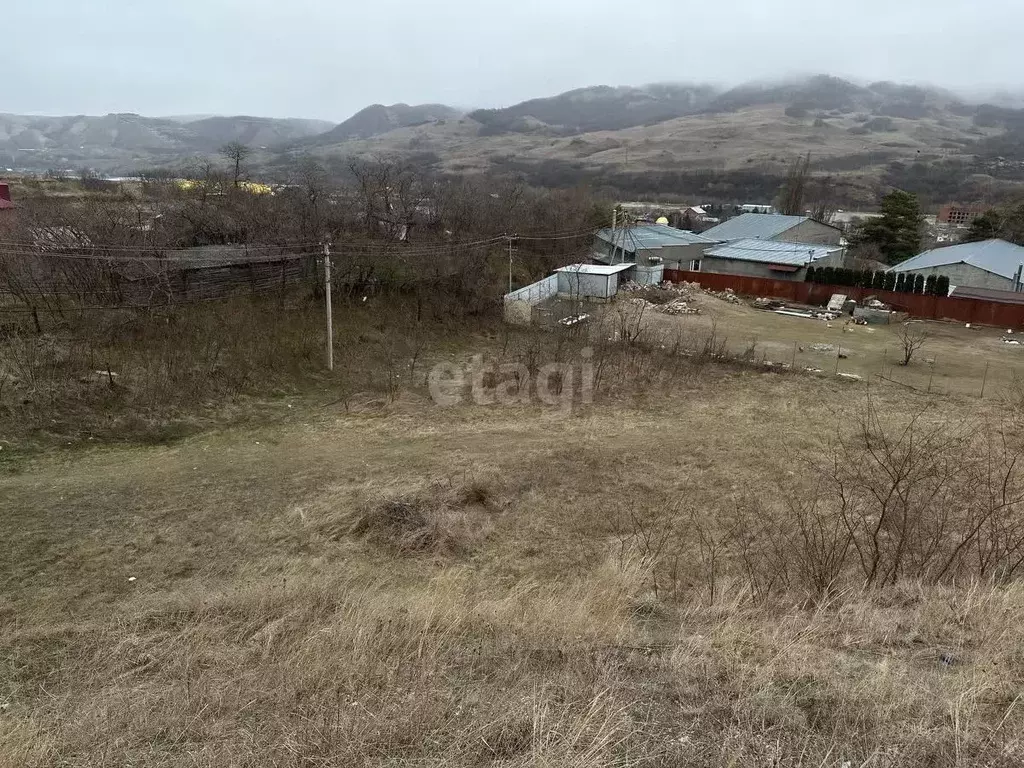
954, 359
402, 584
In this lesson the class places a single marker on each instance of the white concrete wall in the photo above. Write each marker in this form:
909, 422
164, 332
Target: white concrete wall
584, 286
680, 256
519, 304
654, 275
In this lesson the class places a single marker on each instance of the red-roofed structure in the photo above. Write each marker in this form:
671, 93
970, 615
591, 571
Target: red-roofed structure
5, 197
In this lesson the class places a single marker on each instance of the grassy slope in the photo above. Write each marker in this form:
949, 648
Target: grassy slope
762, 136
260, 630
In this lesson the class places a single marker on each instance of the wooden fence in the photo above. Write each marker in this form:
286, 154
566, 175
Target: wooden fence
978, 311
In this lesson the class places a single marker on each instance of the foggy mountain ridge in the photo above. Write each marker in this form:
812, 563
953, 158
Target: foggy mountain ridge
597, 126
378, 119
604, 108
83, 136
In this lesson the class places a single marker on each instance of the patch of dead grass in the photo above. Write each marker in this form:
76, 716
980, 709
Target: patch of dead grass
448, 520
313, 594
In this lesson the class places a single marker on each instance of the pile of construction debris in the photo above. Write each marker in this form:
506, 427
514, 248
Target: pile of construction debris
667, 298
677, 307
631, 286
768, 304
688, 290
812, 314
727, 295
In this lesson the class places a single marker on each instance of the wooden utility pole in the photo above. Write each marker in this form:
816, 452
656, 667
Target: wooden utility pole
330, 309
510, 263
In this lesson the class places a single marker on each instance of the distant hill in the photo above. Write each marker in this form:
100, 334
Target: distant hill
70, 134
672, 139
379, 119
601, 108
254, 131
119, 139
713, 144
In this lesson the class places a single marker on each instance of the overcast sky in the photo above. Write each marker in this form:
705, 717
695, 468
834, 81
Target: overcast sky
329, 58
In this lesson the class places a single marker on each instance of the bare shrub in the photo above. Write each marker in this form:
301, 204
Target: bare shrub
630, 327
912, 336
923, 500
710, 345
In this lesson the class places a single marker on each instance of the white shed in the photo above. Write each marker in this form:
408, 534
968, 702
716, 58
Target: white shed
591, 281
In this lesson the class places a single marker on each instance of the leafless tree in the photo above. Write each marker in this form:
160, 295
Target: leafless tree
794, 190
236, 153
391, 195
823, 207
912, 337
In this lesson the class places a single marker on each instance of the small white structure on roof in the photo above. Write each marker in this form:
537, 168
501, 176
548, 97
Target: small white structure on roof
591, 281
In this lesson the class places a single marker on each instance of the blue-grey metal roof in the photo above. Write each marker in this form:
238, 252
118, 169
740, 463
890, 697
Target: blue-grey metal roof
772, 252
996, 256
649, 237
986, 294
759, 226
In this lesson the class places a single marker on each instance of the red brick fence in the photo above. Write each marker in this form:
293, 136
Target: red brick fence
926, 307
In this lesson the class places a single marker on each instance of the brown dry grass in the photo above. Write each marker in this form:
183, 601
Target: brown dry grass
954, 359
465, 586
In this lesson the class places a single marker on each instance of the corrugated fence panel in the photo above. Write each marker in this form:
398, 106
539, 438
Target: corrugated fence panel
536, 292
927, 307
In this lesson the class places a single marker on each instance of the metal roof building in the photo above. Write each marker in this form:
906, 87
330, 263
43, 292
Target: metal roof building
772, 226
652, 237
768, 258
996, 256
593, 281
651, 247
986, 294
760, 226
772, 252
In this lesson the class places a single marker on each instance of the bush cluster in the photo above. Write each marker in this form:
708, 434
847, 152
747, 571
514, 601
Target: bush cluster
880, 281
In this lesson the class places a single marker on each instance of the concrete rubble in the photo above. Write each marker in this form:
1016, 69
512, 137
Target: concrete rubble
683, 301
678, 307
728, 295
573, 320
